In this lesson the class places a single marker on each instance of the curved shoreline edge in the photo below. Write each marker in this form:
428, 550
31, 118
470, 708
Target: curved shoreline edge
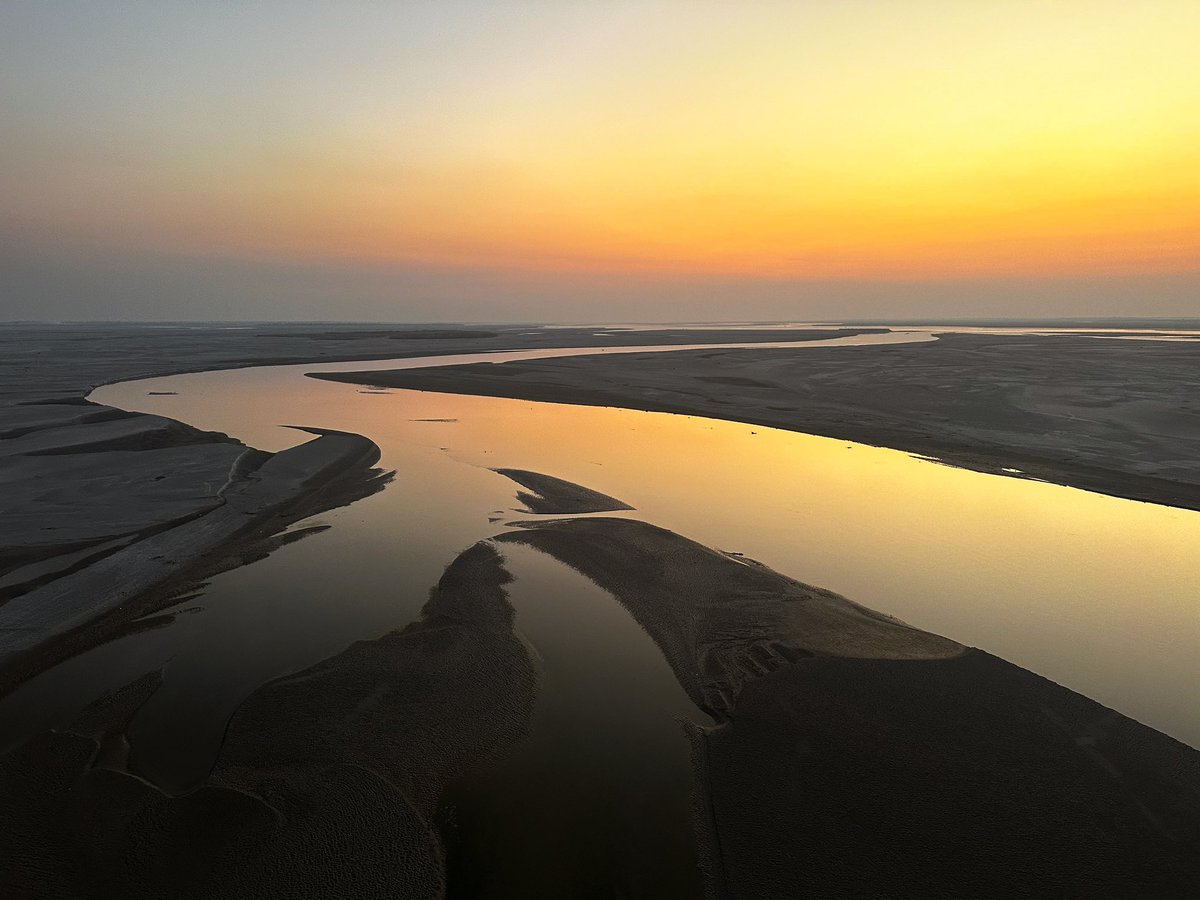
995, 405
89, 485
856, 755
263, 496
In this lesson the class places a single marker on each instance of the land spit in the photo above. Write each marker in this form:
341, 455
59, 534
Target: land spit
326, 783
856, 756
1120, 417
555, 497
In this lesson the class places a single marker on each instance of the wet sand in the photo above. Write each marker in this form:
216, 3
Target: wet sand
1116, 417
326, 784
855, 756
721, 620
556, 497
122, 578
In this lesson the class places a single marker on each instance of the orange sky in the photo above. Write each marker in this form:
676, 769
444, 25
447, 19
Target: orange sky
915, 144
917, 140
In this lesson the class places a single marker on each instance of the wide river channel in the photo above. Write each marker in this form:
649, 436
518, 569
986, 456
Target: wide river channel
1096, 593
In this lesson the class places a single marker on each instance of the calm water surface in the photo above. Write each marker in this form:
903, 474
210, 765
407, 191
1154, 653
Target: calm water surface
1097, 593
598, 800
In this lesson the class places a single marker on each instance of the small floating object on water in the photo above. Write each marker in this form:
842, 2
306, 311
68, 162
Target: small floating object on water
162, 393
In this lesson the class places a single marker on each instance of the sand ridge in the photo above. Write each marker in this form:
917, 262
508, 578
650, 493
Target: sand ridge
555, 496
856, 756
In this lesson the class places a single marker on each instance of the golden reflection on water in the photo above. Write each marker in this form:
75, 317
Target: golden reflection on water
1097, 593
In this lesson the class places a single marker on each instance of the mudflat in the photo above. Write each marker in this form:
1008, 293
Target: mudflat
556, 496
1120, 417
326, 784
856, 756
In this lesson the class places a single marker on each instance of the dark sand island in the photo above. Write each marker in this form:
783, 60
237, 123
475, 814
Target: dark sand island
854, 755
554, 496
850, 754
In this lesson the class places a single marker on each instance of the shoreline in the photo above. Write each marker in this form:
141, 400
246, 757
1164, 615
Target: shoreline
101, 600
855, 752
150, 486
1085, 437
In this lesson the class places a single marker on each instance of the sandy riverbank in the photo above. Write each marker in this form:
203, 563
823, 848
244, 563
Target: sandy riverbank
263, 494
326, 784
856, 756
1117, 417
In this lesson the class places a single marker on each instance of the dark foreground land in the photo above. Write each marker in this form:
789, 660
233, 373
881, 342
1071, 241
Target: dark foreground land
1115, 416
851, 755
856, 756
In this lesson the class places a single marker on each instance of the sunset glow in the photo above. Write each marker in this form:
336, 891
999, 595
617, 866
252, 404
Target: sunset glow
915, 141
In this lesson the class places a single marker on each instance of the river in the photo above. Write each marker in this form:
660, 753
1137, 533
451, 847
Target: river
1094, 592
